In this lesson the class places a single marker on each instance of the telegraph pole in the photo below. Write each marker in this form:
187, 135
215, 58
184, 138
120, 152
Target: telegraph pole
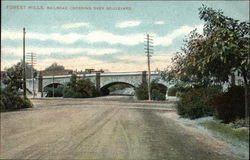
24, 75
32, 63
149, 52
53, 90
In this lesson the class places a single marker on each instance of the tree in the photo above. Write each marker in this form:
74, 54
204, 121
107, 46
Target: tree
213, 56
55, 67
10, 100
226, 45
14, 78
79, 88
85, 86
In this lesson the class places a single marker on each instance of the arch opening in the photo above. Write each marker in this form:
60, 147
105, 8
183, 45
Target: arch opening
57, 88
160, 87
117, 88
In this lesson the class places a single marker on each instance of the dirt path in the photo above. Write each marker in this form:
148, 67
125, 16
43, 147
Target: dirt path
103, 128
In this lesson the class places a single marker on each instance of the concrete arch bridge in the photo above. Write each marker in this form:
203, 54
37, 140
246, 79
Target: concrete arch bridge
102, 81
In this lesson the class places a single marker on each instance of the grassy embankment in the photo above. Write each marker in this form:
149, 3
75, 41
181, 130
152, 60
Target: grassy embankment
239, 134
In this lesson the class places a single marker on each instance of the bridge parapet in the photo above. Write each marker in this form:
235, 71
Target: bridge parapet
103, 79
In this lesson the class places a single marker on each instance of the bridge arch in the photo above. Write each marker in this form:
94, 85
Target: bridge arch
105, 89
49, 89
160, 86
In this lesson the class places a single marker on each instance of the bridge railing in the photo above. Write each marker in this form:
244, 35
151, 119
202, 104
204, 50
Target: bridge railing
102, 74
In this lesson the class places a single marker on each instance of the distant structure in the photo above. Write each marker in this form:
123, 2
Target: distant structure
55, 73
89, 71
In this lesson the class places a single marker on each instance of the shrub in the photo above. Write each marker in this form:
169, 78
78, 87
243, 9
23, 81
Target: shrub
79, 88
141, 91
69, 92
172, 91
229, 105
12, 101
85, 87
178, 94
157, 95
193, 103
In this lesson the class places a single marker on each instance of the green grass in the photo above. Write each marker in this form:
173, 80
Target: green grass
240, 134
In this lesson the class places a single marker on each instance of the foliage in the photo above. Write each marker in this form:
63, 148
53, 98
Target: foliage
157, 95
79, 88
161, 88
12, 101
240, 134
172, 91
55, 67
86, 86
14, 76
230, 105
69, 92
211, 57
141, 91
193, 103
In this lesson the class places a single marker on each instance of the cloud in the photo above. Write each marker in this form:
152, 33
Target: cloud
132, 58
75, 25
168, 39
126, 24
159, 22
79, 63
64, 51
92, 37
160, 61
62, 38
103, 37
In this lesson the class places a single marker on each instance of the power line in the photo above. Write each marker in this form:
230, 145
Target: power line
149, 51
24, 75
32, 60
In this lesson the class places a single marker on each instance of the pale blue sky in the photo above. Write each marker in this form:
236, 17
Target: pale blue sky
108, 39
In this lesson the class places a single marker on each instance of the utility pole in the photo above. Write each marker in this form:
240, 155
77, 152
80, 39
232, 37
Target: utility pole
53, 89
24, 75
149, 52
32, 61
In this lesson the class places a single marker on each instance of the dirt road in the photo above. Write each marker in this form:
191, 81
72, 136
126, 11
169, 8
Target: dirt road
102, 128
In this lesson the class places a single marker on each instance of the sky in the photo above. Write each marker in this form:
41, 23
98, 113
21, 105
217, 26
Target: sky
99, 35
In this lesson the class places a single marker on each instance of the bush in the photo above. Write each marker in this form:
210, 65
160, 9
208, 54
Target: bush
12, 101
172, 91
85, 87
79, 88
178, 94
69, 92
193, 103
141, 91
230, 105
157, 95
